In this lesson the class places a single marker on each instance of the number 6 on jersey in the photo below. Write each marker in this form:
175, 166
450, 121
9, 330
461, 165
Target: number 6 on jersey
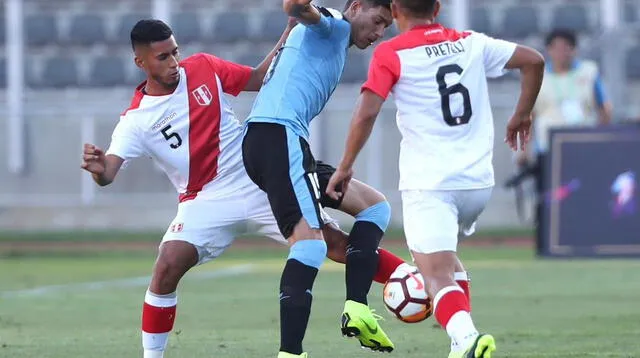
446, 92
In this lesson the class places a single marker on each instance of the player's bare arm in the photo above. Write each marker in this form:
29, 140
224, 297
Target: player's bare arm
369, 105
531, 65
258, 73
103, 168
302, 10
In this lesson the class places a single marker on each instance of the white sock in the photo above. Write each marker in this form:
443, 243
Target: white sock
460, 276
154, 344
461, 330
455, 347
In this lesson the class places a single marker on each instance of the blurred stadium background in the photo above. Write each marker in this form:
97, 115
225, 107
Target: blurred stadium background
75, 258
66, 72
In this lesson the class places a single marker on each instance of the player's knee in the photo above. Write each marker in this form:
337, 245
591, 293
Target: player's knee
169, 268
379, 214
309, 252
165, 279
168, 271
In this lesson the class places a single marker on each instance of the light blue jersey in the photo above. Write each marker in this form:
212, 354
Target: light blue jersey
304, 74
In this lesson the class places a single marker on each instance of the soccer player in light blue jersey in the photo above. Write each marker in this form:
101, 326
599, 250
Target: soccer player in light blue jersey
278, 159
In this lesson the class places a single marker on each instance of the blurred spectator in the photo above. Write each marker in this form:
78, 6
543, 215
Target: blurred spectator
572, 94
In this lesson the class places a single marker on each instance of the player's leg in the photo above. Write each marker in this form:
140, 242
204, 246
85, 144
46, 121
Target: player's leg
281, 164
372, 213
337, 242
191, 239
472, 204
356, 201
431, 227
174, 259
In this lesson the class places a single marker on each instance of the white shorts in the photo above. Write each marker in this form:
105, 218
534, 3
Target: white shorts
433, 219
211, 225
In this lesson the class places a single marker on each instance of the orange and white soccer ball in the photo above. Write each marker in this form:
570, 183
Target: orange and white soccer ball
404, 295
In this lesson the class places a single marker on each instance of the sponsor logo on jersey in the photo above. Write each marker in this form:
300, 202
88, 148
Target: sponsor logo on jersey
164, 121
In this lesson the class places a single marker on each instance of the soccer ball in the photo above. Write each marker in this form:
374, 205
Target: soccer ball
405, 297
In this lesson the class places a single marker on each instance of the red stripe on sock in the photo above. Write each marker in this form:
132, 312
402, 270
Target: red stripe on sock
157, 319
451, 303
466, 287
387, 263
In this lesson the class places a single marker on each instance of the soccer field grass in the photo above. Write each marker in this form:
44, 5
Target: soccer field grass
89, 306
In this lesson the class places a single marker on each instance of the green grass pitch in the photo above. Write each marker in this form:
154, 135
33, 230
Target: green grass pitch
55, 306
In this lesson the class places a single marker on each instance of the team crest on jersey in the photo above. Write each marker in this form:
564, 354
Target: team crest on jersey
176, 227
203, 95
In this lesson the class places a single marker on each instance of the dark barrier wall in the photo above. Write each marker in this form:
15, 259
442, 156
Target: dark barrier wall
591, 203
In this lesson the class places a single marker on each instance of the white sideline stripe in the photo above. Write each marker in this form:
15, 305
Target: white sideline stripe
123, 283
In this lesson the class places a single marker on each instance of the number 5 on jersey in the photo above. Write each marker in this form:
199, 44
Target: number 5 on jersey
173, 138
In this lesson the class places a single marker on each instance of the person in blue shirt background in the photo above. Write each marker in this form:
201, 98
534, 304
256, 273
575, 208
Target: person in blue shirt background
277, 157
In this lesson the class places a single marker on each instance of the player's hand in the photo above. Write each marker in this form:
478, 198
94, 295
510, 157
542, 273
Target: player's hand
93, 159
339, 182
519, 128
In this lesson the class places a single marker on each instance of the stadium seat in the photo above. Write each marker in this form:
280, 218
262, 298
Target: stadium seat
571, 16
2, 29
60, 72
125, 24
272, 25
27, 71
137, 77
480, 21
86, 30
355, 70
41, 29
519, 22
107, 71
630, 13
230, 27
3, 72
186, 26
633, 65
250, 59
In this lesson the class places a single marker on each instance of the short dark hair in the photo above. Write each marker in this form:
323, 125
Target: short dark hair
418, 7
565, 34
374, 3
147, 31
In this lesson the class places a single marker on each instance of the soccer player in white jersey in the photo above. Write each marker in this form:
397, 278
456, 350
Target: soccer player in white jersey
438, 80
180, 118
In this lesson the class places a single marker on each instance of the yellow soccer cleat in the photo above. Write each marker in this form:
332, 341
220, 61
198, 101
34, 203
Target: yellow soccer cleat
482, 347
359, 321
289, 355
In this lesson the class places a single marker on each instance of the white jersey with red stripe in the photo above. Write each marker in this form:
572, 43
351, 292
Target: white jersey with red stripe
192, 133
438, 80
